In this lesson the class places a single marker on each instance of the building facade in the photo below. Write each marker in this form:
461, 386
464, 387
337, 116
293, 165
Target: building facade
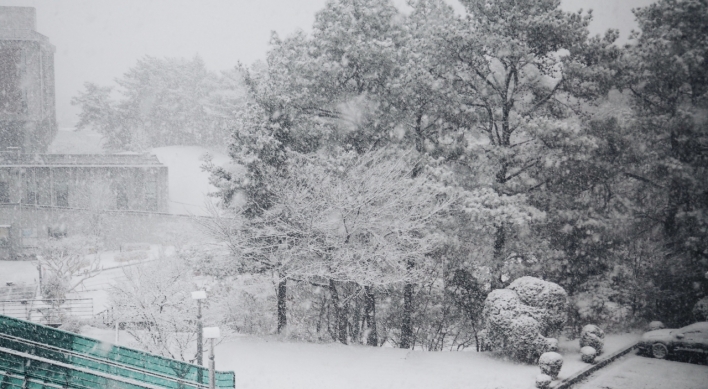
27, 105
97, 182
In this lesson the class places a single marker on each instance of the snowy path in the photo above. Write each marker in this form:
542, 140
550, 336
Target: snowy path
637, 372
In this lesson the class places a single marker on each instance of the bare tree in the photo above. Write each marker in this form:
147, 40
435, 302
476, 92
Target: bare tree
155, 307
67, 263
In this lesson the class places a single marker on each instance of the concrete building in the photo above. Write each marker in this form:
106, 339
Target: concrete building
40, 192
27, 113
106, 182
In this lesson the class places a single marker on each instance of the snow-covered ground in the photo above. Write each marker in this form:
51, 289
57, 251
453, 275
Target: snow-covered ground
636, 372
570, 349
113, 263
264, 363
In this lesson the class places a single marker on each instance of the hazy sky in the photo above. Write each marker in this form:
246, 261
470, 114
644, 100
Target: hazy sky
98, 40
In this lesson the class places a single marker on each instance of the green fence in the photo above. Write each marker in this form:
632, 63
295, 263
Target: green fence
104, 358
22, 371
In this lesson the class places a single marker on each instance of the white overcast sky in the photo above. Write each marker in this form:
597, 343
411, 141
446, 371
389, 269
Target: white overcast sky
98, 40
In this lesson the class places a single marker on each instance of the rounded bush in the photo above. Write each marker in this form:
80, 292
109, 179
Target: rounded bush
587, 354
543, 381
700, 310
518, 320
593, 336
550, 364
656, 325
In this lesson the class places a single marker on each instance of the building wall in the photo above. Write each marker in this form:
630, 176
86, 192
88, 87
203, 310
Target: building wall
87, 187
28, 225
27, 97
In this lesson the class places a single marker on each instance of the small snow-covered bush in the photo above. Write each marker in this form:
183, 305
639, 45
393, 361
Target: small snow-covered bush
518, 320
592, 336
71, 324
700, 310
656, 325
587, 354
543, 381
550, 364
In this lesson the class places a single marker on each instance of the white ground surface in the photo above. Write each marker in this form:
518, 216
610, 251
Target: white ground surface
637, 372
265, 363
571, 351
98, 286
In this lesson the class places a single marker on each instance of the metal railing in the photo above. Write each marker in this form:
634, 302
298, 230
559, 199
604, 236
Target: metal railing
47, 311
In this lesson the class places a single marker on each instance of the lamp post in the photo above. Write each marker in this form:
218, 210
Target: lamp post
199, 296
211, 333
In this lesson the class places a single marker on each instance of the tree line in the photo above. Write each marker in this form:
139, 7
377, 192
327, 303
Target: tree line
401, 166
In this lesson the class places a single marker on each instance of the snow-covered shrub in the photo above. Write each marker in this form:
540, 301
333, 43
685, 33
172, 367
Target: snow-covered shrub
592, 336
543, 381
587, 354
550, 364
595, 306
550, 298
700, 310
248, 306
656, 325
71, 324
519, 319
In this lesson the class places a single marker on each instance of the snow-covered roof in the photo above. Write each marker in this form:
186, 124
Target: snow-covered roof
76, 160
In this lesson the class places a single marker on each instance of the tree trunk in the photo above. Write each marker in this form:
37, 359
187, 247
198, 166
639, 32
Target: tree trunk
498, 258
340, 323
282, 318
407, 324
372, 337
353, 325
